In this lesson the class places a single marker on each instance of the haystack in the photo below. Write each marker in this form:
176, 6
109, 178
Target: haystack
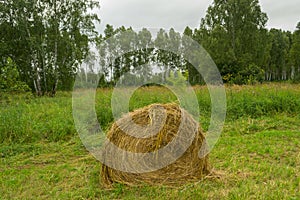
189, 167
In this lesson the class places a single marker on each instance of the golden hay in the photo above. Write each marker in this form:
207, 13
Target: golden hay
188, 168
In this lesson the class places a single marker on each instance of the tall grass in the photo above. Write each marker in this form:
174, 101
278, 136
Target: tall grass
36, 119
263, 100
27, 119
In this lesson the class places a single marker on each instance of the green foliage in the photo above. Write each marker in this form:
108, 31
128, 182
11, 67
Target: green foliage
295, 54
249, 75
10, 79
232, 32
278, 66
47, 40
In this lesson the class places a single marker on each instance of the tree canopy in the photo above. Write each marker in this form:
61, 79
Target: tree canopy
44, 43
46, 39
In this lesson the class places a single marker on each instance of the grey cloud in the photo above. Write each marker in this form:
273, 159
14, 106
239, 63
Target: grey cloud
282, 14
154, 13
182, 13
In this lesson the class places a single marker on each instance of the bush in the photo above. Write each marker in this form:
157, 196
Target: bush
249, 75
9, 78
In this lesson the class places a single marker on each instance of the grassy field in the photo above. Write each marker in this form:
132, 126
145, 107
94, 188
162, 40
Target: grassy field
257, 156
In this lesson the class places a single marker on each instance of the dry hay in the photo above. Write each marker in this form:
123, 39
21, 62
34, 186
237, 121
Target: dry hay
188, 168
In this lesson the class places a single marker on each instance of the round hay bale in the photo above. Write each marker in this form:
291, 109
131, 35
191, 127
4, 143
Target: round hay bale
187, 168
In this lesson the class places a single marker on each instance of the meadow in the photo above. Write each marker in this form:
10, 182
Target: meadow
256, 157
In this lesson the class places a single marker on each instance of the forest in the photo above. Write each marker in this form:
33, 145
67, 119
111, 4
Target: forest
44, 45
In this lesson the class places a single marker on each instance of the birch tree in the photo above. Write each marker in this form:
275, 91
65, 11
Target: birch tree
53, 37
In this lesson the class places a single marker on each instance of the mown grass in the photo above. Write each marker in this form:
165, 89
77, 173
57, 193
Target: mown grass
257, 156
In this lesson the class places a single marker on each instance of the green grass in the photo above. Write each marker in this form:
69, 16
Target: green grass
257, 156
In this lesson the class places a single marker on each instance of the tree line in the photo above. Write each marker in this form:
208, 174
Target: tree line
45, 43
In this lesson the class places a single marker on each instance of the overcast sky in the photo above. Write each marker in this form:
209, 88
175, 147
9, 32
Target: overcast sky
181, 13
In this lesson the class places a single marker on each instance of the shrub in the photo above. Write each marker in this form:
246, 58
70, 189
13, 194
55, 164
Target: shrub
9, 78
